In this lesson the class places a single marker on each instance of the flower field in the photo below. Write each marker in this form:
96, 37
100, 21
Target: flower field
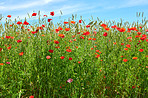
73, 59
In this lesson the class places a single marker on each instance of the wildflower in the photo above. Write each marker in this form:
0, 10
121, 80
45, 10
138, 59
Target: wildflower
56, 42
122, 43
9, 16
70, 58
62, 57
74, 39
87, 26
97, 56
68, 50
86, 33
19, 40
79, 62
1, 49
73, 22
105, 34
125, 60
52, 13
33, 32
134, 58
48, 57
129, 37
128, 46
45, 15
51, 51
141, 50
65, 22
80, 21
133, 86
19, 22
139, 33
81, 37
143, 38
107, 29
9, 48
97, 50
49, 20
1, 63
21, 53
31, 97
8, 37
69, 80
67, 29
61, 35
25, 23
104, 25
122, 30
7, 62
34, 14
125, 48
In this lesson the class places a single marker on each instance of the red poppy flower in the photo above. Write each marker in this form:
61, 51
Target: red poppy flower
97, 56
125, 49
9, 16
51, 51
133, 86
65, 22
9, 48
128, 46
60, 28
8, 37
31, 97
19, 40
68, 50
34, 14
134, 58
139, 33
86, 33
141, 50
81, 37
52, 13
61, 35
125, 60
113, 26
1, 49
87, 26
104, 25
45, 15
49, 20
80, 21
62, 57
122, 43
105, 34
19, 22
70, 58
56, 42
107, 29
122, 30
21, 53
25, 23
79, 62
33, 32
67, 29
73, 22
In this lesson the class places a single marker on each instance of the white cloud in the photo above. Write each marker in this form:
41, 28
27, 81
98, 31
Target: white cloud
27, 5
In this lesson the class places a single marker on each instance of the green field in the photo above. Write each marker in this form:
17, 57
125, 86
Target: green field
74, 59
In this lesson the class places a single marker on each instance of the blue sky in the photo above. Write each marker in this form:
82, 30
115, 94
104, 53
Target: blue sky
103, 9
